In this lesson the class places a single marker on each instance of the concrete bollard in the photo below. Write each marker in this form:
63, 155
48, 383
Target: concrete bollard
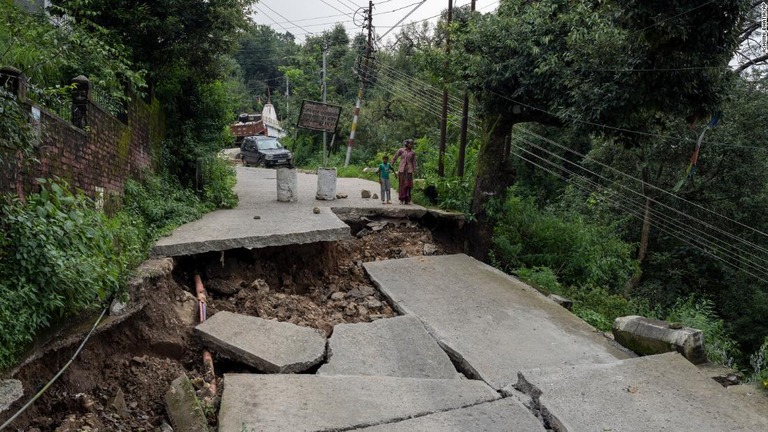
326, 184
287, 185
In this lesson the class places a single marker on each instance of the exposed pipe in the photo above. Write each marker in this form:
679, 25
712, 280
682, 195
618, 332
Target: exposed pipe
202, 302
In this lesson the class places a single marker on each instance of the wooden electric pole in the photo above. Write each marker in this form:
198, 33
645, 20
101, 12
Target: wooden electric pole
464, 124
444, 113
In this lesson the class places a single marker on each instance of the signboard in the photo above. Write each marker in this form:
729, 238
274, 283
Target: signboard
319, 116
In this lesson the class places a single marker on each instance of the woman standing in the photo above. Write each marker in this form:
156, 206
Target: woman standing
405, 170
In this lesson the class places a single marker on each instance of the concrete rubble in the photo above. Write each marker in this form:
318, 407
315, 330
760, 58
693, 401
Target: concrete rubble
11, 390
183, 407
269, 346
397, 347
655, 393
649, 336
498, 416
311, 403
490, 323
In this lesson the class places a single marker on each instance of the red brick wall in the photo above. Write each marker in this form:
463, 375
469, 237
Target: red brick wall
103, 154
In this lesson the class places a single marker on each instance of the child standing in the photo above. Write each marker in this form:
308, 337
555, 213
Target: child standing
384, 169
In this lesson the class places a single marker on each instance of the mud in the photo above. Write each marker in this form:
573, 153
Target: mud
119, 380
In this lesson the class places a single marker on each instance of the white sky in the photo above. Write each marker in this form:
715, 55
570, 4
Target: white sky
317, 15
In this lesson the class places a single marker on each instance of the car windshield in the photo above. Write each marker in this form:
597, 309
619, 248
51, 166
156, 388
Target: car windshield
269, 144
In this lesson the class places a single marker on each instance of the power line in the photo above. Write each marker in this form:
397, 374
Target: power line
278, 14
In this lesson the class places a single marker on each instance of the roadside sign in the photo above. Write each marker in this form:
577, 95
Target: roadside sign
319, 116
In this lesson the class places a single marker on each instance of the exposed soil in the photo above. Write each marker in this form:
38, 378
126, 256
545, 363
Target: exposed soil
119, 381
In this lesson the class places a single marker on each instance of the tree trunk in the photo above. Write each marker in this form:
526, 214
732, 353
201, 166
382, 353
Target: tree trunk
645, 235
493, 177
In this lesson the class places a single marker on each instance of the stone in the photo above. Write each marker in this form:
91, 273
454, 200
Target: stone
269, 346
356, 293
365, 193
362, 311
269, 403
119, 306
316, 210
649, 336
118, 404
366, 290
341, 195
337, 296
398, 347
350, 310
183, 407
562, 301
490, 323
662, 392
372, 303
260, 285
362, 233
375, 196
429, 249
497, 416
11, 390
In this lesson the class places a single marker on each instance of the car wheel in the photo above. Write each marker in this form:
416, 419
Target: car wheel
245, 162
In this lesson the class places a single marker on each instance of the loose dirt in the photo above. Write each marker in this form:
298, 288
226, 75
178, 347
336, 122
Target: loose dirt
119, 381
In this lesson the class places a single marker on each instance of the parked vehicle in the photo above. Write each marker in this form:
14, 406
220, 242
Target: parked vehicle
264, 151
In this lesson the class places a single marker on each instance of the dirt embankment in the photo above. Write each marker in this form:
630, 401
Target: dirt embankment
119, 381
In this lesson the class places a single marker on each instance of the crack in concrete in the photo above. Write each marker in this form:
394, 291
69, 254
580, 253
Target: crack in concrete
400, 419
534, 404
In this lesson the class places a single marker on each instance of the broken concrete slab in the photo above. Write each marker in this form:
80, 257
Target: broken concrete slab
655, 393
11, 390
397, 347
312, 402
647, 336
492, 324
269, 346
498, 416
183, 408
562, 301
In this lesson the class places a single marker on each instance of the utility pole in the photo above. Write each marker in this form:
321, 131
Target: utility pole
287, 98
363, 77
464, 124
325, 98
444, 114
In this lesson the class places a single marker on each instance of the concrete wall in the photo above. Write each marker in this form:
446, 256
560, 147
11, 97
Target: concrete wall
95, 151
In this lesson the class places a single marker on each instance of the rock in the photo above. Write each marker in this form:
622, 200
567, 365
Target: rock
377, 225
429, 249
316, 210
362, 311
362, 233
338, 296
257, 217
11, 390
165, 427
372, 303
269, 346
341, 195
562, 301
649, 336
183, 407
367, 290
260, 285
356, 293
350, 310
375, 196
139, 360
119, 306
221, 286
118, 404
365, 193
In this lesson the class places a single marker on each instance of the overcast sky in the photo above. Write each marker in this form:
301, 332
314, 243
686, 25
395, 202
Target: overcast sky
318, 15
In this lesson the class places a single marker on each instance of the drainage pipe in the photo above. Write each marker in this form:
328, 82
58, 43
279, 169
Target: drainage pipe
202, 300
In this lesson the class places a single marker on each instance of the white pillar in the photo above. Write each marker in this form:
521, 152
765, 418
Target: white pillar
287, 185
326, 184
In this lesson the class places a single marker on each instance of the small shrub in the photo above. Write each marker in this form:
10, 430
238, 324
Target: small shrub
700, 314
759, 363
58, 257
541, 278
220, 182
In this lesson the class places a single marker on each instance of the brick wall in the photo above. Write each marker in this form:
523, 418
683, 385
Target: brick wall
95, 152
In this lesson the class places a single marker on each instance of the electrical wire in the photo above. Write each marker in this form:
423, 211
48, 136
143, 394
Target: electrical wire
58, 374
679, 224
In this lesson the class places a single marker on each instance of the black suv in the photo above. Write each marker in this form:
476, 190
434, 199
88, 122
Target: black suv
264, 151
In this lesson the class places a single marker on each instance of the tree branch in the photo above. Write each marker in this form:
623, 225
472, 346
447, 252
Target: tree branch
752, 62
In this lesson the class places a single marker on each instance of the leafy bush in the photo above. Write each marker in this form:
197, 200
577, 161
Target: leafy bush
161, 204
700, 314
759, 363
220, 180
580, 253
58, 257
